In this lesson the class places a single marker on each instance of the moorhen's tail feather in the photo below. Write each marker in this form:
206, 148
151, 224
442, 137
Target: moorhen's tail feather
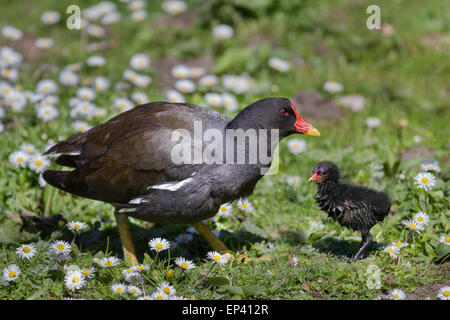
56, 178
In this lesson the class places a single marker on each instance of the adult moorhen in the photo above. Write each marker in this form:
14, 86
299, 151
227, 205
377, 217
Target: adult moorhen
131, 161
354, 207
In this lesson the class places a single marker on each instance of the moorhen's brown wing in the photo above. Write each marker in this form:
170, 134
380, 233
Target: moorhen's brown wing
121, 158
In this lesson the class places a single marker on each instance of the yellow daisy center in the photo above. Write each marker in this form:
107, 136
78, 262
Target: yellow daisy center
425, 180
133, 290
20, 159
412, 226
420, 219
446, 293
159, 298
158, 246
447, 239
12, 274
170, 272
60, 247
26, 249
75, 280
399, 243
184, 265
166, 290
86, 271
217, 258
109, 263
223, 209
396, 296
134, 280
119, 290
391, 250
244, 205
38, 162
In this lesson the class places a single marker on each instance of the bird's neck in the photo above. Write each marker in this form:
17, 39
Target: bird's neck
327, 187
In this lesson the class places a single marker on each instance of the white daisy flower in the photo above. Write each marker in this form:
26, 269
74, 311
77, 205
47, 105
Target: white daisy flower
222, 32
197, 72
214, 99
141, 268
68, 78
50, 17
226, 210
174, 96
2, 127
46, 86
96, 31
208, 81
184, 263
413, 225
159, 295
296, 146
417, 139
445, 239
26, 251
89, 272
145, 298
229, 102
159, 244
111, 18
293, 181
123, 104
444, 293
81, 126
9, 57
134, 290
430, 165
19, 159
185, 86
109, 262
126, 272
373, 122
399, 244
134, 278
139, 15
245, 205
61, 247
15, 100
217, 258
165, 287
76, 225
393, 251
12, 33
425, 180
136, 5
96, 61
85, 93
140, 97
140, 61
332, 86
142, 80
180, 71
44, 43
100, 83
422, 217
353, 102
10, 74
11, 272
184, 237
397, 294
74, 280
119, 288
174, 7
279, 64
38, 163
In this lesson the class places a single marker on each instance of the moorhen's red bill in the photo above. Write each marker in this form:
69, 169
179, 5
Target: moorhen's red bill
127, 161
354, 207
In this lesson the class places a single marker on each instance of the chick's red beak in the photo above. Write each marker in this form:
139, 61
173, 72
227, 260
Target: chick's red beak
302, 126
314, 177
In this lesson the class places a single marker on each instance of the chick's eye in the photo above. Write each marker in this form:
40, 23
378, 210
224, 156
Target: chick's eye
284, 112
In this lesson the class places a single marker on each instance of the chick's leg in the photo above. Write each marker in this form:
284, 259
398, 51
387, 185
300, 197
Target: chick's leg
366, 242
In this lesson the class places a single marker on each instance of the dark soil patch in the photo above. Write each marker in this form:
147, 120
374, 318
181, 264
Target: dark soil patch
429, 291
312, 105
422, 152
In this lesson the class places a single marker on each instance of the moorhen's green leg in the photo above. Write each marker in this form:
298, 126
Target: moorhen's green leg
366, 241
210, 237
129, 254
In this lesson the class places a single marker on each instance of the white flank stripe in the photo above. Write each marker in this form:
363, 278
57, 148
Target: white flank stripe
171, 186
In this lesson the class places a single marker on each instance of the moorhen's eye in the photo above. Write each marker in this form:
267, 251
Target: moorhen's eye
284, 112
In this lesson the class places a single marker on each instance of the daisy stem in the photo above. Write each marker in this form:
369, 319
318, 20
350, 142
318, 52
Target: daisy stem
48, 203
203, 278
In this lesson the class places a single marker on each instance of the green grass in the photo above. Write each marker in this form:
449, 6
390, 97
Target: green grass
401, 77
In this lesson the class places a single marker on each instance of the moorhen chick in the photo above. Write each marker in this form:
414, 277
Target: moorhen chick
354, 207
131, 163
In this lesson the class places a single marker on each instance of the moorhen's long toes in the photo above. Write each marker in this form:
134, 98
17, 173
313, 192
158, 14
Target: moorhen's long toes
144, 162
357, 208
